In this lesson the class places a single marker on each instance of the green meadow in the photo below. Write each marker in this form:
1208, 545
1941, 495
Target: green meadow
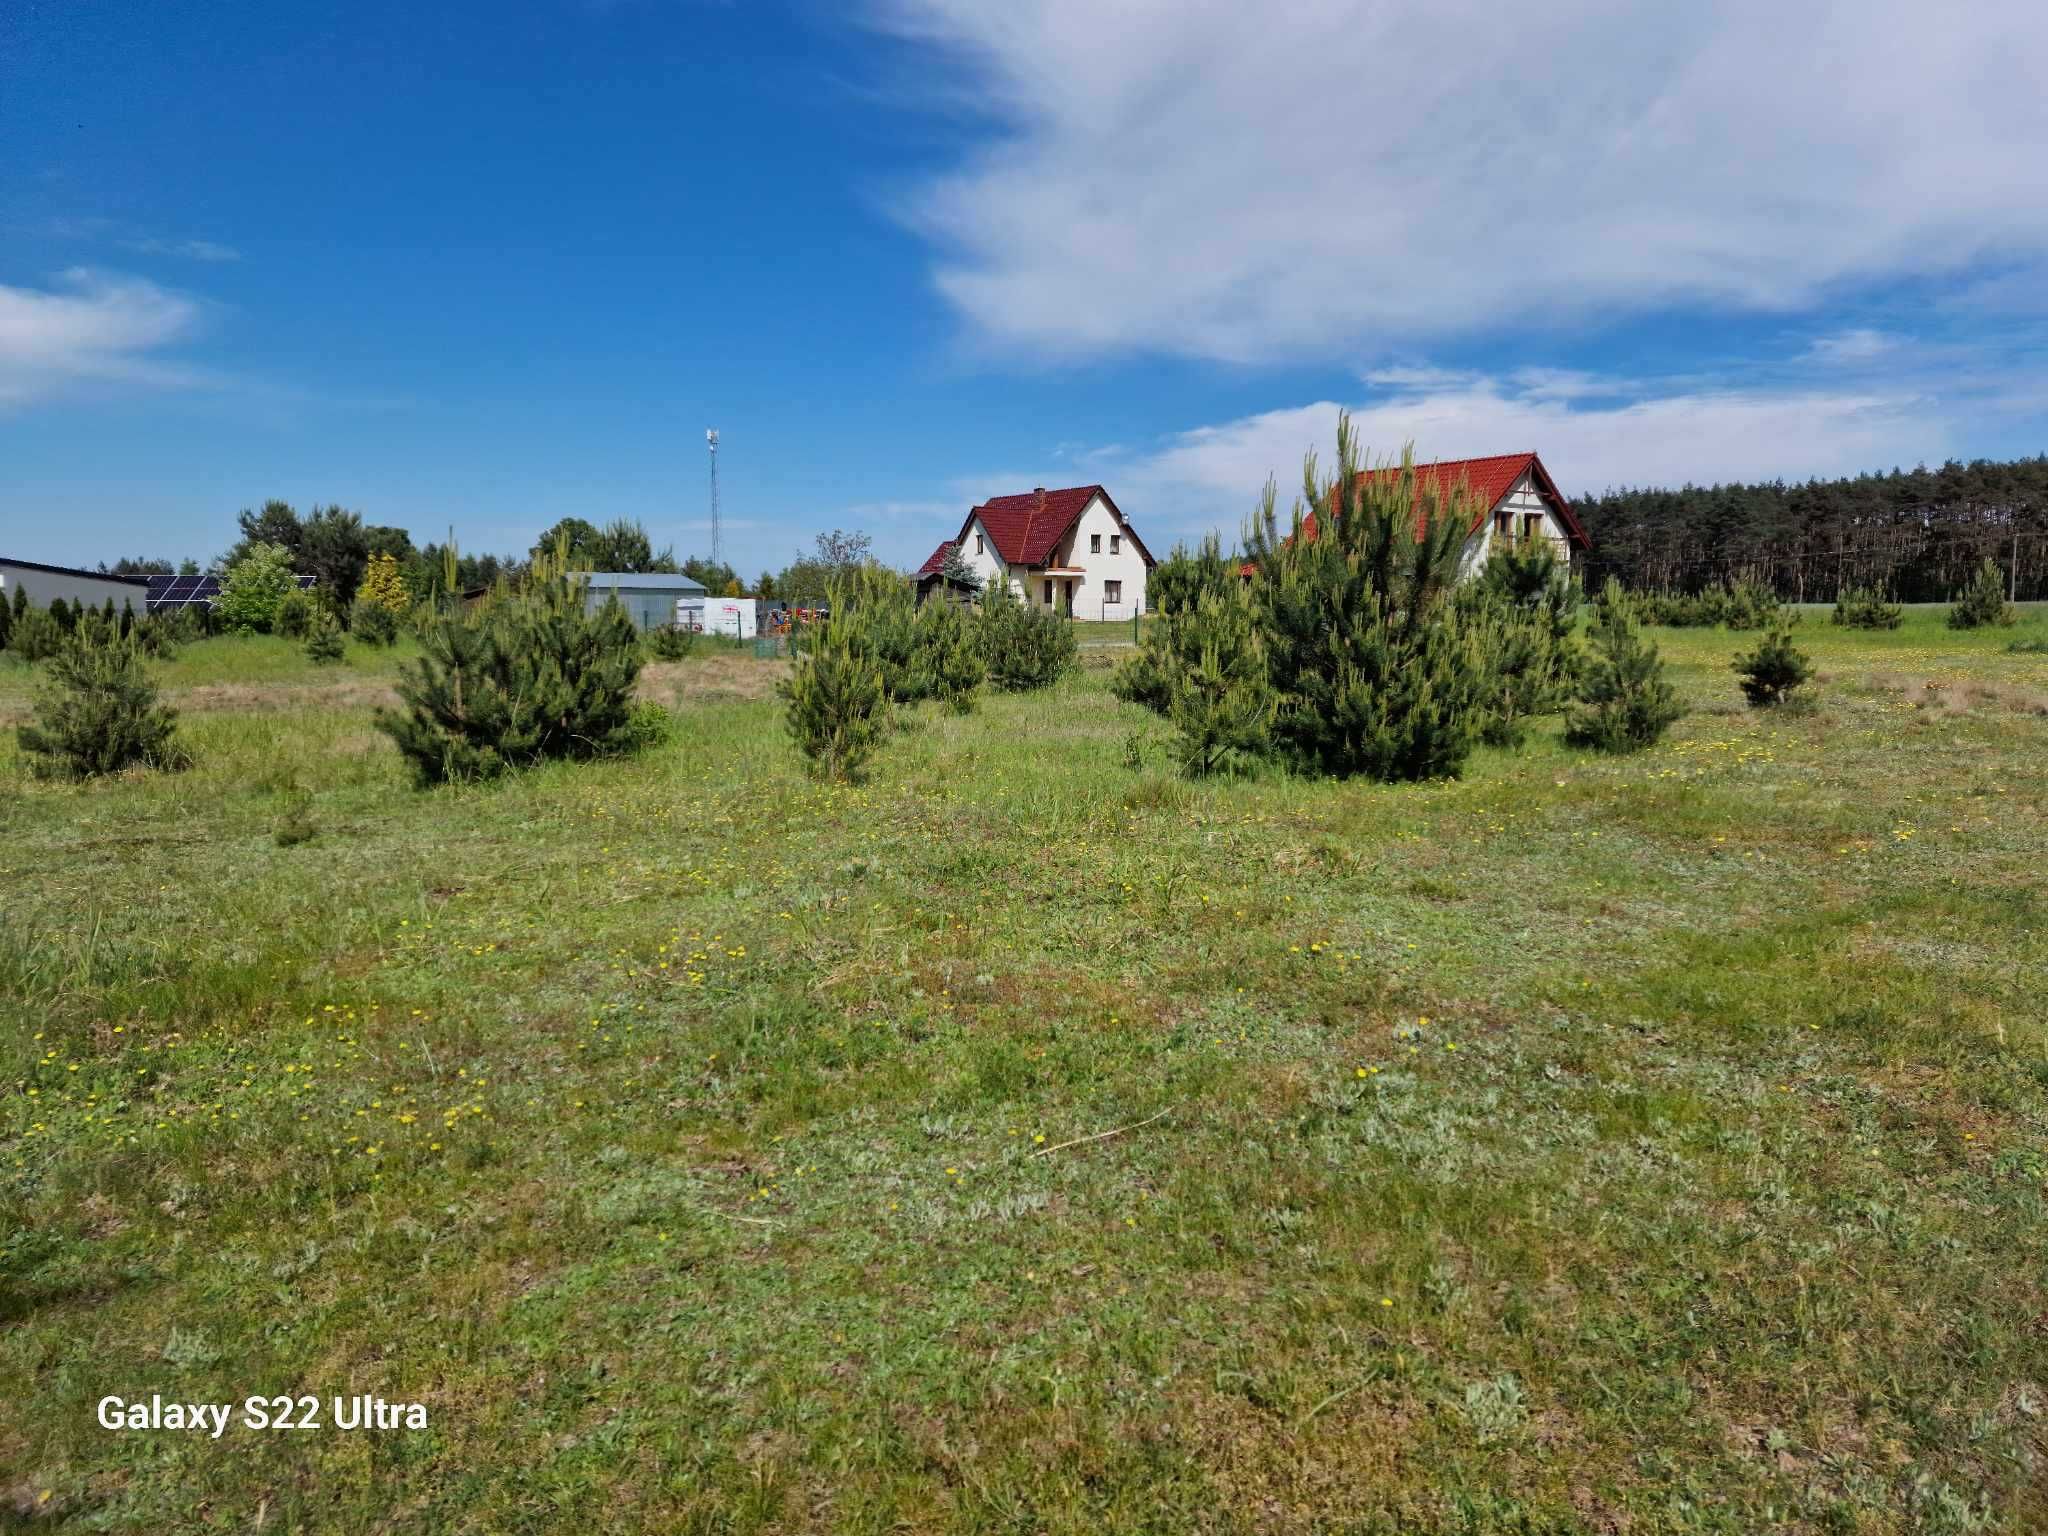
1027, 1140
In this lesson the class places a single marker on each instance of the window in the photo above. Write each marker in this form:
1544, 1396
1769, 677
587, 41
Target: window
1503, 523
1094, 543
1532, 524
980, 545
1116, 543
1112, 591
1048, 594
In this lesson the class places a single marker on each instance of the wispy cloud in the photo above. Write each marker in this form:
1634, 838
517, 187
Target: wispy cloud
91, 326
1370, 174
190, 250
1852, 346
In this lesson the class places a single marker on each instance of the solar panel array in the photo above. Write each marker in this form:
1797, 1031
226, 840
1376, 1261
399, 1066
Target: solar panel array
167, 592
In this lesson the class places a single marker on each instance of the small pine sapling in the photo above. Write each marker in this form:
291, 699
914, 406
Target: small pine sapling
1773, 670
1981, 604
1624, 702
97, 712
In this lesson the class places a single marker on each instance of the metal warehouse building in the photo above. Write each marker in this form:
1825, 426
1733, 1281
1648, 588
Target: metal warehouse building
46, 583
649, 599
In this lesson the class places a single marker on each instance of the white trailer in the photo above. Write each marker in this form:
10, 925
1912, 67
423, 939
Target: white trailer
734, 616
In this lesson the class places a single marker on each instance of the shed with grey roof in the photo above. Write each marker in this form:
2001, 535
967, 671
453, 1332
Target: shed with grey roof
648, 598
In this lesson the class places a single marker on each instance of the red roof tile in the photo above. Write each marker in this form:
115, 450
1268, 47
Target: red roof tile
936, 560
1026, 529
1487, 480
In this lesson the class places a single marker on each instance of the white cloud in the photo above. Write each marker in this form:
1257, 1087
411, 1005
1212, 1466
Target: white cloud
89, 326
1209, 477
1853, 346
1193, 177
191, 250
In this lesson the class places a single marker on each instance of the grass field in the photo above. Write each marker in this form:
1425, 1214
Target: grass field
1641, 1145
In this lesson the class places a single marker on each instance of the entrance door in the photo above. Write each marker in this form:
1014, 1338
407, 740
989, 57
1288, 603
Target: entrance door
1070, 594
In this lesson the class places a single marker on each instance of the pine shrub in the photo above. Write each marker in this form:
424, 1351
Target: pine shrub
529, 677
1378, 672
1176, 585
1773, 670
1220, 697
670, 642
836, 703
949, 655
1026, 646
97, 712
1527, 603
1865, 608
35, 635
877, 610
295, 614
1981, 604
6, 620
324, 644
1624, 702
373, 623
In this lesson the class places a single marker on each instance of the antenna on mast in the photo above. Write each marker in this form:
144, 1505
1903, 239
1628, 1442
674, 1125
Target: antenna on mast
711, 442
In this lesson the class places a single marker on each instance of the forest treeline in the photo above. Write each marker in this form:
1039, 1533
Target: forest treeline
1915, 533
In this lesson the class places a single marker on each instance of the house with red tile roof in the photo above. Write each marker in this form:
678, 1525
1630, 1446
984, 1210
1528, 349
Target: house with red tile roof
1512, 498
1071, 548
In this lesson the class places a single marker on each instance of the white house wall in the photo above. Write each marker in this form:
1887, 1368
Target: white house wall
1522, 499
1126, 566
987, 564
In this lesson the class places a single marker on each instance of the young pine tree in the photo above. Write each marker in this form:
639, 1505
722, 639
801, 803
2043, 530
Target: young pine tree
1378, 672
1219, 695
1528, 604
97, 711
35, 635
530, 676
1865, 608
836, 703
324, 645
879, 613
1624, 702
1026, 646
1981, 604
372, 622
949, 657
1773, 670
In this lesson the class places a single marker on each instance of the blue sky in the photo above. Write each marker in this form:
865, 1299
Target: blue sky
490, 265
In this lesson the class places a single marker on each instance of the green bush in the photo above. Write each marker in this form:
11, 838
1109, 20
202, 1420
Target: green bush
1773, 670
1732, 605
1220, 696
97, 711
296, 614
836, 703
1378, 672
949, 654
324, 644
1527, 605
670, 642
1025, 646
1624, 703
528, 677
255, 588
35, 635
876, 609
1865, 608
373, 623
1981, 604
